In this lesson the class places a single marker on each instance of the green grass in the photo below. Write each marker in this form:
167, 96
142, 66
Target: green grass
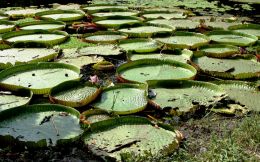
218, 138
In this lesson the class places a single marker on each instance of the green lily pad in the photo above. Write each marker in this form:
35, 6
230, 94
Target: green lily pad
176, 24
74, 93
94, 115
253, 29
123, 99
46, 25
219, 50
15, 56
104, 37
23, 13
184, 96
104, 8
146, 31
113, 14
61, 15
184, 40
232, 38
245, 93
118, 21
3, 16
247, 1
44, 37
167, 16
132, 136
102, 50
39, 77
6, 26
182, 56
81, 60
219, 25
39, 125
139, 45
229, 68
9, 99
140, 70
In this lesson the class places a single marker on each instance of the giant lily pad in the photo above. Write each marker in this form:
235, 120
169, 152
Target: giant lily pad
184, 96
113, 14
253, 29
219, 50
229, 68
151, 69
15, 56
168, 16
132, 136
232, 38
81, 60
182, 56
184, 40
139, 45
22, 13
118, 21
123, 99
176, 24
103, 8
103, 50
39, 77
244, 93
39, 125
74, 93
6, 26
46, 25
146, 31
61, 15
104, 37
3, 16
9, 99
45, 37
95, 115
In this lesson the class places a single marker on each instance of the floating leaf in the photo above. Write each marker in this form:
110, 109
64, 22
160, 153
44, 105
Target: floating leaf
219, 50
11, 99
151, 69
134, 136
6, 26
123, 99
104, 37
46, 25
74, 93
39, 125
184, 96
139, 45
39, 77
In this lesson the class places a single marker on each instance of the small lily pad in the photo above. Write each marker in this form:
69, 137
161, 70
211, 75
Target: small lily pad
139, 45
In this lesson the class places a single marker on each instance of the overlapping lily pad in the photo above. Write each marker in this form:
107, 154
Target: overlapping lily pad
123, 99
11, 99
74, 93
184, 40
232, 38
132, 136
182, 56
46, 25
43, 37
39, 77
184, 96
151, 69
3, 16
15, 56
6, 26
139, 45
146, 31
104, 37
235, 68
95, 115
39, 125
219, 50
61, 15
253, 29
245, 93
23, 12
